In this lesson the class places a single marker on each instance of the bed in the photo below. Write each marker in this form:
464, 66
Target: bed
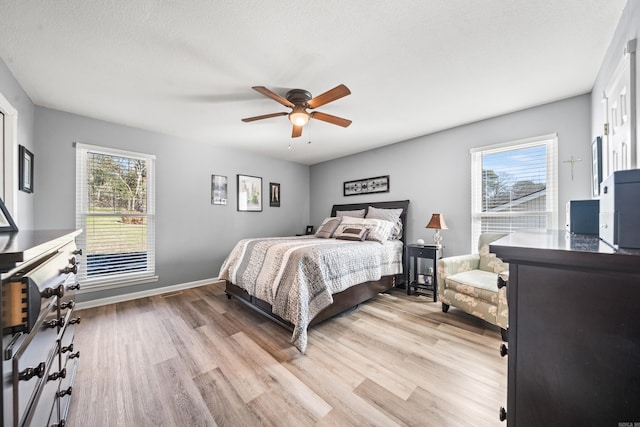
300, 281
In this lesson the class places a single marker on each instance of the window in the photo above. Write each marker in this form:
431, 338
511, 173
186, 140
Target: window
514, 187
115, 208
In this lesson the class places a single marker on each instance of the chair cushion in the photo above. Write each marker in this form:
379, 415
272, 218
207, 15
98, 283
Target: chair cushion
476, 283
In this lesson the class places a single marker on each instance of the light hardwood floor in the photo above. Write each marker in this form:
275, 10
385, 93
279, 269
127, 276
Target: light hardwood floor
194, 358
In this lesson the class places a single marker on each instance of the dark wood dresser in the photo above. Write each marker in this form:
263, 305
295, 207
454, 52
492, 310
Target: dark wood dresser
574, 331
39, 361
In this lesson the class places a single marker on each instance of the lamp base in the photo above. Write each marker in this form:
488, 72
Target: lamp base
437, 237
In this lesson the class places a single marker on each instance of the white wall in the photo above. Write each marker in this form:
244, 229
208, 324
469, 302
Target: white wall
434, 171
193, 236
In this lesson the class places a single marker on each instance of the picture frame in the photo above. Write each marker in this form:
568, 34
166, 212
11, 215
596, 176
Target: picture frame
377, 184
596, 166
7, 224
309, 230
249, 193
274, 194
25, 170
219, 189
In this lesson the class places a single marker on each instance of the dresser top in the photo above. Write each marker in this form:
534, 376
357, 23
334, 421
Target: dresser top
20, 246
563, 248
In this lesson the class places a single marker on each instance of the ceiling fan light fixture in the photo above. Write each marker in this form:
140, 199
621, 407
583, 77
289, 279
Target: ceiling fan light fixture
299, 116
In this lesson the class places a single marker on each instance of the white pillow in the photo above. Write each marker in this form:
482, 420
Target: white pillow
379, 229
358, 213
392, 215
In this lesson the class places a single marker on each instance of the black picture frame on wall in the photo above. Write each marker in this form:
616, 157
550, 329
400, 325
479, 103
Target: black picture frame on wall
378, 184
596, 166
249, 193
6, 222
274, 194
25, 170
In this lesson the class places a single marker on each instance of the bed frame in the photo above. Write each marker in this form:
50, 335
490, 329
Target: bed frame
344, 300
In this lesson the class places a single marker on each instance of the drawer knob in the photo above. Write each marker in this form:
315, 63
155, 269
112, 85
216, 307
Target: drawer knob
75, 355
68, 304
66, 392
72, 269
51, 292
503, 350
503, 413
77, 252
29, 373
54, 323
75, 287
74, 321
57, 375
67, 348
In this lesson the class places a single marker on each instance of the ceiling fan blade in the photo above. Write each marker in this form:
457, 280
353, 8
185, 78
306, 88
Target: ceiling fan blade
266, 116
331, 119
329, 96
266, 92
296, 132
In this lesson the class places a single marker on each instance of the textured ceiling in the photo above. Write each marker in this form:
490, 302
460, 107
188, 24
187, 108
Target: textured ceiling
414, 67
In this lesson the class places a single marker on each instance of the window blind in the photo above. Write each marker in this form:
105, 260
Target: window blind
514, 187
115, 207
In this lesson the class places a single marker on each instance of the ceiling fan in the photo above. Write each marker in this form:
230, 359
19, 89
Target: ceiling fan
299, 100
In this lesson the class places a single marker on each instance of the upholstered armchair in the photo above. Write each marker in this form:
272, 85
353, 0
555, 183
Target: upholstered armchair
470, 283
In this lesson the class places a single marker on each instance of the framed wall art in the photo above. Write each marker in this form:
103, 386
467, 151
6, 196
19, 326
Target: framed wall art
218, 190
249, 193
378, 184
274, 194
596, 166
25, 170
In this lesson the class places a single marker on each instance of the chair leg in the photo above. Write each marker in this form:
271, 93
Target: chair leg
503, 335
445, 307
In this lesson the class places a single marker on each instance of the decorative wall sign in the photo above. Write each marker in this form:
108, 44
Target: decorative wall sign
218, 190
596, 167
25, 170
378, 184
274, 194
249, 193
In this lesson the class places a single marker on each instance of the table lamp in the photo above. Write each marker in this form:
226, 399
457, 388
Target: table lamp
437, 222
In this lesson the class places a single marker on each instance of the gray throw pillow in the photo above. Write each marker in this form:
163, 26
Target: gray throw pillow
328, 227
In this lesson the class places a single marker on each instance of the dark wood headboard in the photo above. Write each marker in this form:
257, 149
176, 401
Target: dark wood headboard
404, 204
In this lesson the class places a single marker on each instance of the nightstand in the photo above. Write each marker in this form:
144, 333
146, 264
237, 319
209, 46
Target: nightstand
425, 278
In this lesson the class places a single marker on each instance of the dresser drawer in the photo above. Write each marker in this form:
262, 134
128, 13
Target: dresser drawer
33, 358
45, 404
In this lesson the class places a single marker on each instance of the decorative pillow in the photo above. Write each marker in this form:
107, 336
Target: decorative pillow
328, 227
358, 213
379, 229
392, 215
352, 233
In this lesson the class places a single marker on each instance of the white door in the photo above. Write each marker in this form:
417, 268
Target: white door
620, 110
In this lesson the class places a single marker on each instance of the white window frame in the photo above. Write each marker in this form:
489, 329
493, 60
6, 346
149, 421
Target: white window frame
551, 143
82, 202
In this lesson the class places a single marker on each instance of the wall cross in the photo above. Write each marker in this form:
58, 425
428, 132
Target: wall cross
572, 160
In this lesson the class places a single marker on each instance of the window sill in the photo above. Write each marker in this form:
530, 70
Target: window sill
95, 285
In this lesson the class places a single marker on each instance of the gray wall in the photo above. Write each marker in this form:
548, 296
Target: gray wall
434, 171
19, 100
192, 236
628, 29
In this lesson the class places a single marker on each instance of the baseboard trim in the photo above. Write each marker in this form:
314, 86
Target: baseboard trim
143, 294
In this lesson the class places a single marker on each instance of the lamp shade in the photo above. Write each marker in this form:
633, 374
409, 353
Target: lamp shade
437, 221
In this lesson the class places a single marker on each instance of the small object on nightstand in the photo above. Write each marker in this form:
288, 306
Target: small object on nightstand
420, 242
